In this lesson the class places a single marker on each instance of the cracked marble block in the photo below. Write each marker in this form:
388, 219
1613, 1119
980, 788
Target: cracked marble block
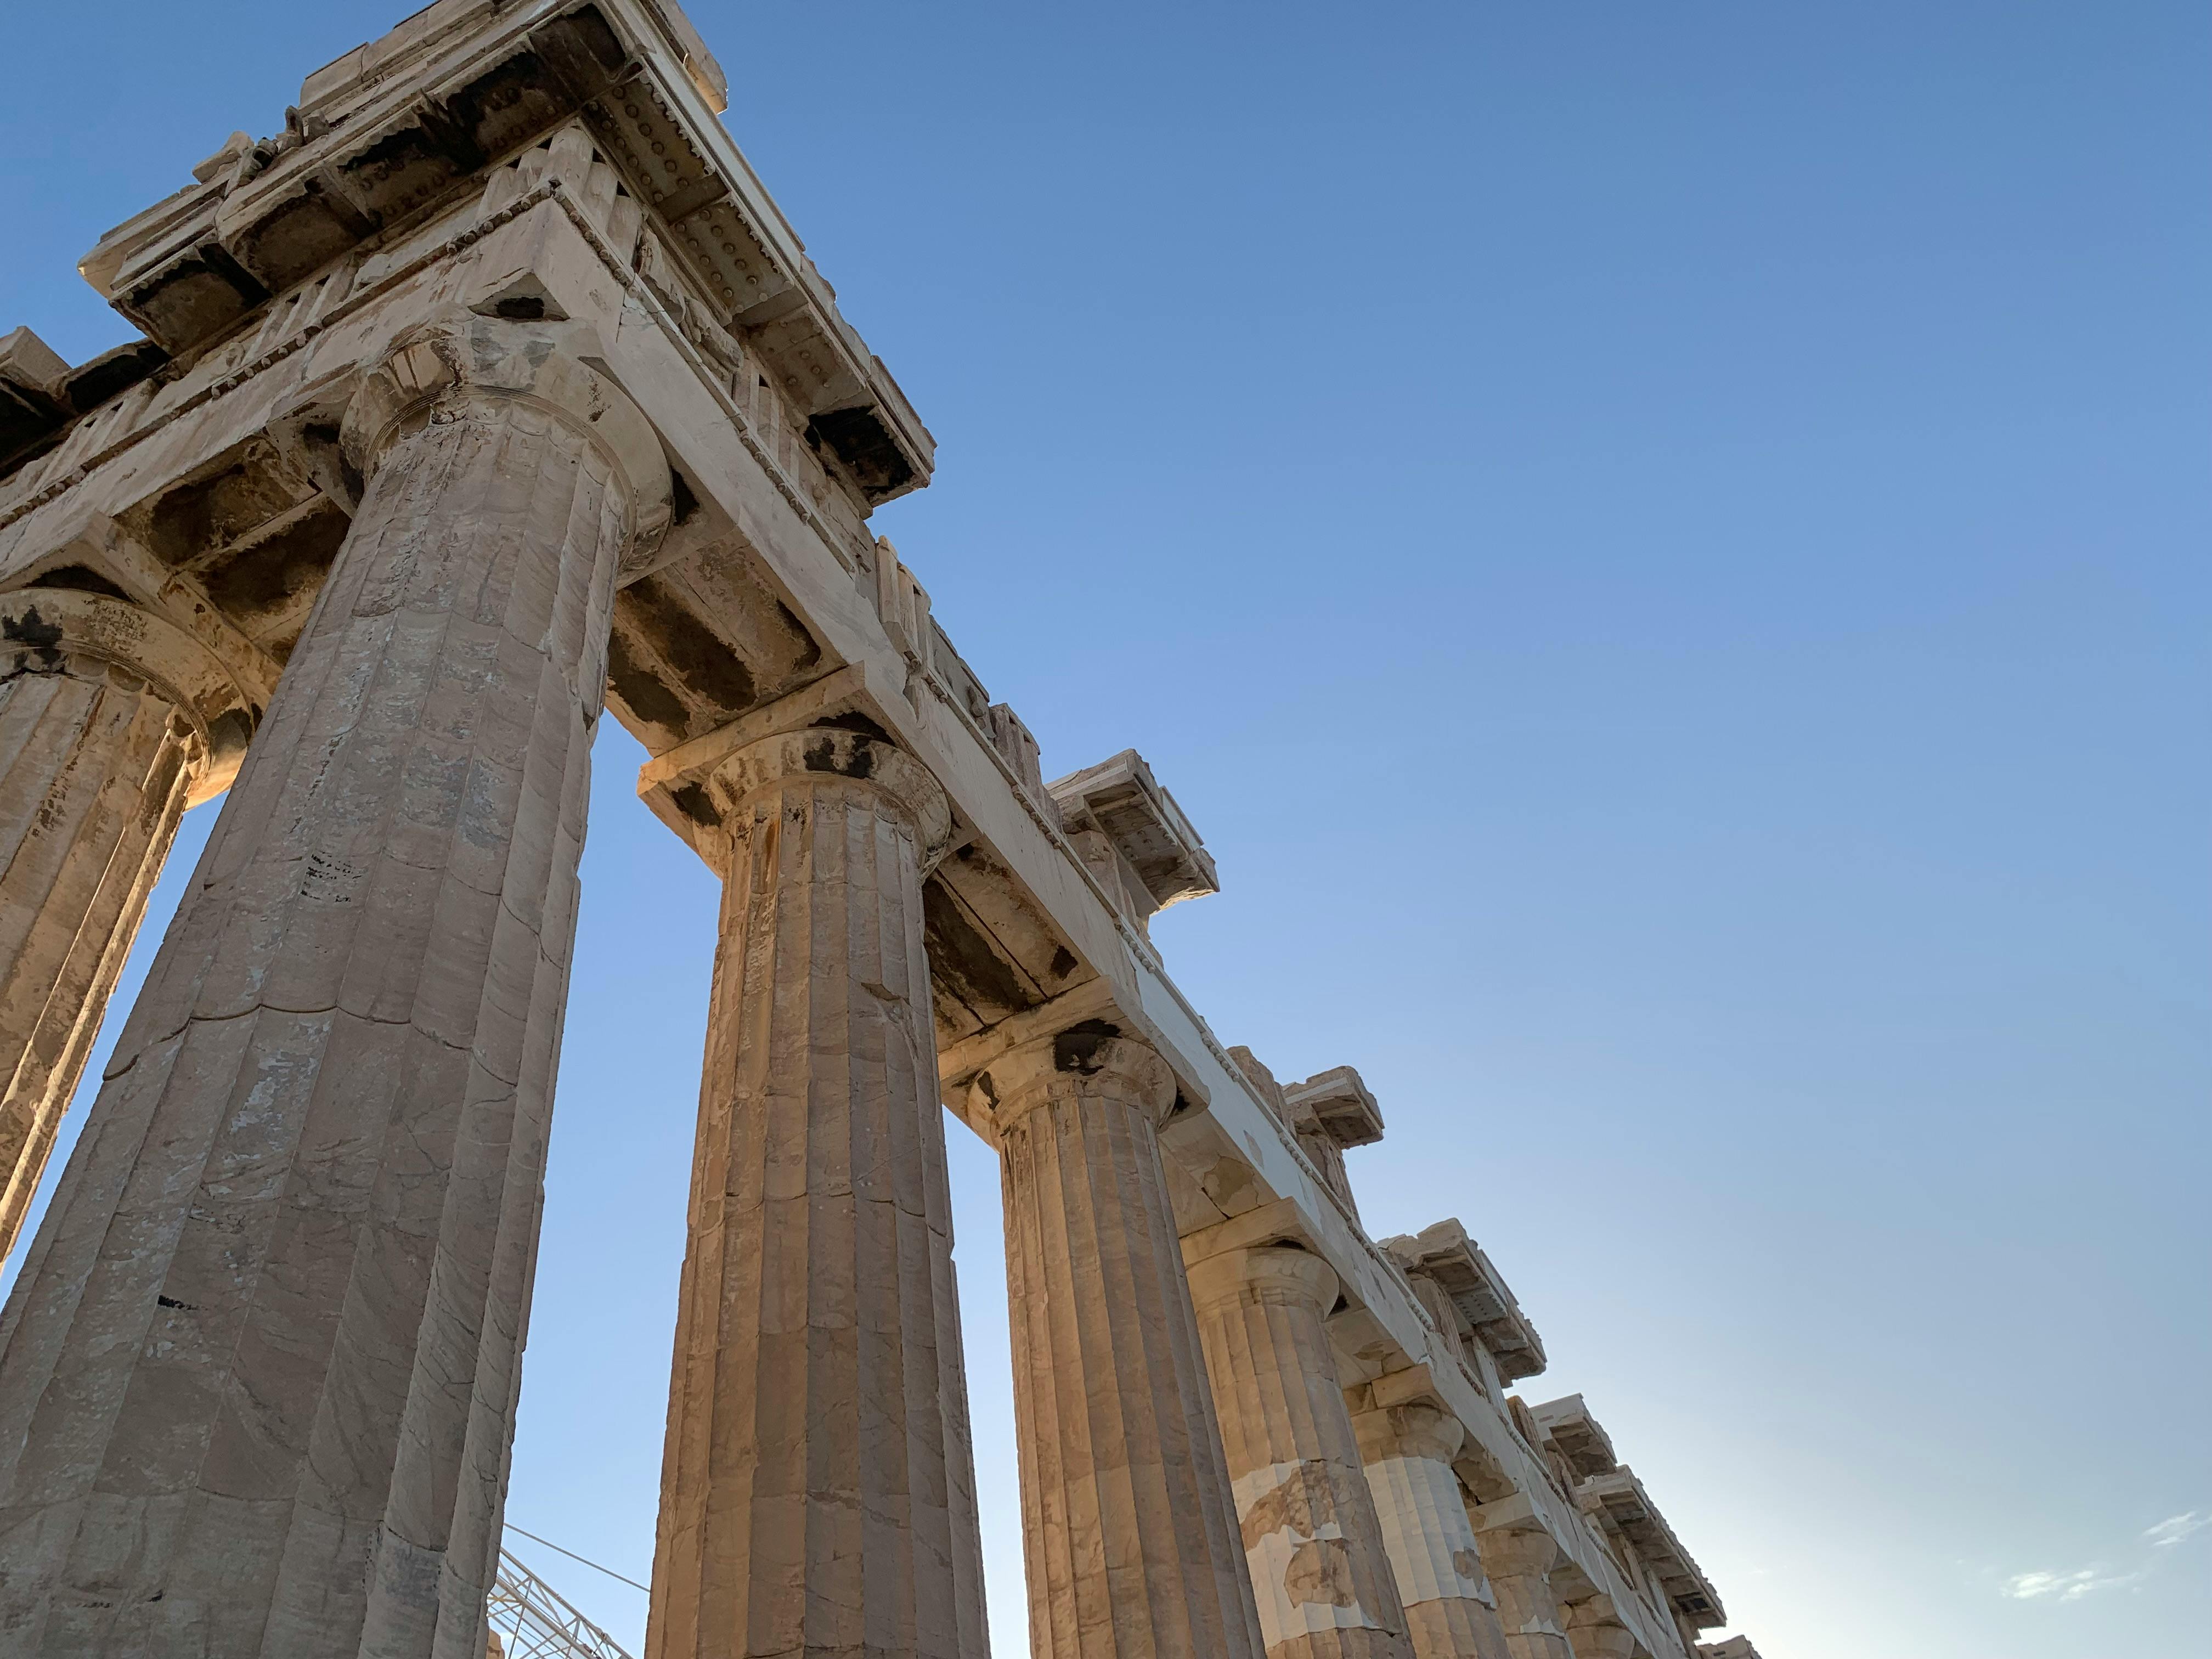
1129, 1531
1451, 1612
817, 1491
258, 1378
1320, 1572
112, 721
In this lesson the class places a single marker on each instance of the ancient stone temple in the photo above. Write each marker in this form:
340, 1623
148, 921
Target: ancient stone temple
489, 396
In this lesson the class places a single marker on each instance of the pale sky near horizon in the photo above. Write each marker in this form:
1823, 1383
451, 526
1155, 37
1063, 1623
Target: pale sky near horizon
1664, 548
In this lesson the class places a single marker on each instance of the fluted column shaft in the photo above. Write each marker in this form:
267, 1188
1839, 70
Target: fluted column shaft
807, 1507
1128, 1528
1320, 1573
259, 1372
1451, 1612
1520, 1563
110, 719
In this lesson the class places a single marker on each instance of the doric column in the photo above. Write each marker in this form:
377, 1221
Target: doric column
1519, 1562
1128, 1528
806, 1504
971, 1612
112, 721
258, 1377
1451, 1612
1320, 1573
1594, 1630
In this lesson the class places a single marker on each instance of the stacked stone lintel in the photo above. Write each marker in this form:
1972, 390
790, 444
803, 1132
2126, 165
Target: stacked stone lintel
259, 1372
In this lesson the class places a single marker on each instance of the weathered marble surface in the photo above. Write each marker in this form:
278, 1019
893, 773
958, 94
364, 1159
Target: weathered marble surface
1520, 1563
1129, 1531
259, 1373
309, 1430
111, 721
807, 1503
1451, 1612
1320, 1574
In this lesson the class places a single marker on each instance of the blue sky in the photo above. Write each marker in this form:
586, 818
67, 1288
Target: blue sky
1664, 549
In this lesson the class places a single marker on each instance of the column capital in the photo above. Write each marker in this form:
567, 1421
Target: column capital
1091, 1057
837, 757
430, 373
39, 627
1516, 1552
1418, 1430
1280, 1273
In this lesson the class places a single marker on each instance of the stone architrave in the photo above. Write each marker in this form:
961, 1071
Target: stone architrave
1128, 1527
112, 719
807, 1506
259, 1373
1320, 1572
1519, 1562
1451, 1612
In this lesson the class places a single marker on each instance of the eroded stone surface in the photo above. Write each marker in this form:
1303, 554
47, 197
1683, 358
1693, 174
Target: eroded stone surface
1451, 1611
1320, 1574
807, 1503
263, 1361
1128, 1529
110, 720
260, 1369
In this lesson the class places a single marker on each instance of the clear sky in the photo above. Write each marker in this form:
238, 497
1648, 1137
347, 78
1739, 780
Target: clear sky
1664, 547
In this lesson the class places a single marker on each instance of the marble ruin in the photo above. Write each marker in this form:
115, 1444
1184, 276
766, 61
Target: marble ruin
492, 392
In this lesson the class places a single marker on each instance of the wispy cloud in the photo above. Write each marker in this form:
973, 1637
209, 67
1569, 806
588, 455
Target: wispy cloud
2175, 1529
2088, 1581
2069, 1586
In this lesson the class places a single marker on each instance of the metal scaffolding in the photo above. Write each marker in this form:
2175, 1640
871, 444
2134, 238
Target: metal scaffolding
530, 1620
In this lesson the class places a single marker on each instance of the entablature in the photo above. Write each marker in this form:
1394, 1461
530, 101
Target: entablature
401, 127
1568, 1424
1619, 1495
1446, 1255
1120, 799
1341, 1104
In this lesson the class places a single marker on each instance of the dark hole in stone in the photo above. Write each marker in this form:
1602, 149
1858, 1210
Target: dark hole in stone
693, 802
682, 503
853, 721
521, 308
641, 691
32, 630
1064, 964
865, 445
822, 757
78, 578
1075, 1050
